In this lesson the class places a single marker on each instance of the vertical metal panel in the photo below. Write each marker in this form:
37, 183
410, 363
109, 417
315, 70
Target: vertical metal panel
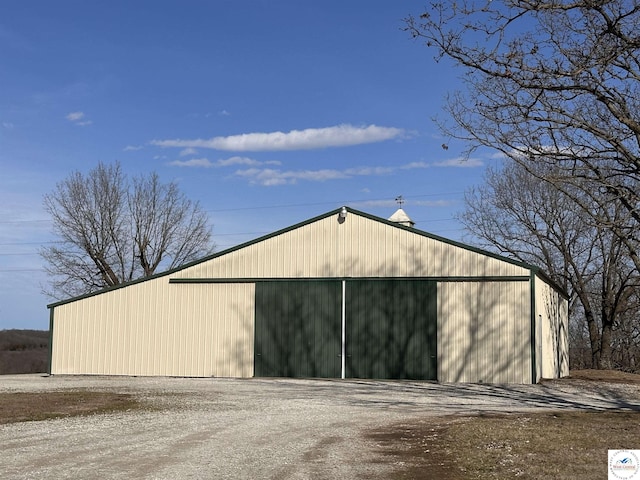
552, 314
391, 329
297, 329
359, 247
484, 332
153, 328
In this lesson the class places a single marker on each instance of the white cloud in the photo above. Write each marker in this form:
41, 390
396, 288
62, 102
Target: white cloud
271, 177
75, 116
227, 162
311, 138
132, 148
459, 162
412, 165
77, 119
368, 171
188, 151
244, 161
193, 162
7, 125
237, 161
452, 162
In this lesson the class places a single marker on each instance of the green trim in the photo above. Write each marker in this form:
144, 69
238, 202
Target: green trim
111, 289
553, 284
50, 340
532, 293
513, 278
230, 280
97, 292
302, 224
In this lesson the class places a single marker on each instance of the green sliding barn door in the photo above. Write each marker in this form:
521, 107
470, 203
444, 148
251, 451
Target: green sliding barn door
298, 329
391, 329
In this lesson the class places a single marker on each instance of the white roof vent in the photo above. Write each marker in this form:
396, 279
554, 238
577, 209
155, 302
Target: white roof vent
402, 218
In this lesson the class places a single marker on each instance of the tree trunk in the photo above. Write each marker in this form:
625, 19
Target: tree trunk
605, 348
594, 339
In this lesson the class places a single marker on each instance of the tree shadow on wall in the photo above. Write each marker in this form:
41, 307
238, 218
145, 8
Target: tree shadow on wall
391, 329
298, 329
483, 334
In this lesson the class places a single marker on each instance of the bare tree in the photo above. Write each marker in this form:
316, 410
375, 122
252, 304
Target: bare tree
112, 230
166, 225
527, 218
554, 82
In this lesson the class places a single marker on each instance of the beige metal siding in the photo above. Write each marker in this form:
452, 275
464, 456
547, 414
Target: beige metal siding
157, 328
359, 247
552, 318
160, 328
484, 332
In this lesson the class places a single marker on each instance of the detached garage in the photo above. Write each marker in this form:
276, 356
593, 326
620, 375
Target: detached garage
342, 295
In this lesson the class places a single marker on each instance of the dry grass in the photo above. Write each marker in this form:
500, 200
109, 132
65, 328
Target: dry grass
533, 446
565, 445
609, 376
22, 406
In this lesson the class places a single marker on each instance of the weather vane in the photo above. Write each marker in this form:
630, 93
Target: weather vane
399, 200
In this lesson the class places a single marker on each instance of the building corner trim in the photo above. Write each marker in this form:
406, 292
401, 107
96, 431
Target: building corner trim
532, 293
51, 310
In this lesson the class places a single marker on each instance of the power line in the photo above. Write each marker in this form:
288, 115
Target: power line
26, 221
30, 243
20, 270
285, 205
339, 202
252, 234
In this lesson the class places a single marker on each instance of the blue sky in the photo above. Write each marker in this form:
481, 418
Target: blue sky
266, 112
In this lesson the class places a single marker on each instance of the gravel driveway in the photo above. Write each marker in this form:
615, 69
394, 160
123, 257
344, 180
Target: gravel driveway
255, 428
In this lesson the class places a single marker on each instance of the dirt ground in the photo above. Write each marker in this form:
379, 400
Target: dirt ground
168, 428
605, 376
27, 407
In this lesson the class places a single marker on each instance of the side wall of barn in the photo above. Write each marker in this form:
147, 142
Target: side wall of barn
552, 335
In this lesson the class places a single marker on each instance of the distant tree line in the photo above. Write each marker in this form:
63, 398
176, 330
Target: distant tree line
24, 351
